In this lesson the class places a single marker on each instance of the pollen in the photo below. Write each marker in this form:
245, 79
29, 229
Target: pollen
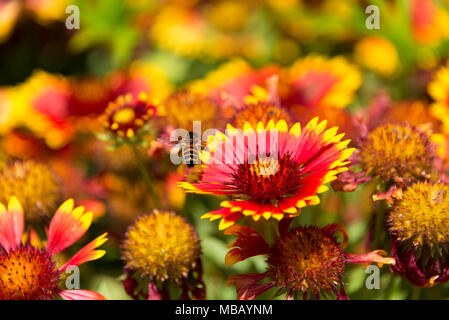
397, 150
34, 184
306, 259
28, 273
161, 245
422, 215
262, 111
124, 116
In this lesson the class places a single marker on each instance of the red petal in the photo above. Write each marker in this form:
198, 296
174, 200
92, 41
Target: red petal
11, 224
67, 226
81, 295
249, 244
247, 287
88, 253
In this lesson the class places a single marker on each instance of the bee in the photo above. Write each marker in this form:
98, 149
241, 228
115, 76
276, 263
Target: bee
190, 150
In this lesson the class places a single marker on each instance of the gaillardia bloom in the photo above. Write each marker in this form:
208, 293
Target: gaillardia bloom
377, 54
303, 261
260, 112
316, 81
396, 150
183, 108
232, 80
270, 171
126, 115
35, 185
439, 91
28, 270
419, 226
161, 247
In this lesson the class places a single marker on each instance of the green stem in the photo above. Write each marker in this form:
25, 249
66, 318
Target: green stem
416, 292
378, 227
390, 286
146, 176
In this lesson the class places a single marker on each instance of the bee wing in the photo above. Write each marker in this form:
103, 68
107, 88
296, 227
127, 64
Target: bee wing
166, 141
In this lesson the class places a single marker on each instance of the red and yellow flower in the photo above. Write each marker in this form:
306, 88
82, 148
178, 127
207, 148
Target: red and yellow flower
126, 115
297, 164
28, 269
9, 14
232, 82
429, 22
316, 81
303, 261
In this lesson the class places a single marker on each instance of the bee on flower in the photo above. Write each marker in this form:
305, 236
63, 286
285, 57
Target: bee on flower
273, 172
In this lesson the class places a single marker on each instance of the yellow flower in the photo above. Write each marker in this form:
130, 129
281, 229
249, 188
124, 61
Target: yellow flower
422, 215
377, 54
182, 108
126, 116
162, 246
48, 10
439, 91
260, 112
180, 30
34, 184
228, 15
396, 151
318, 81
9, 13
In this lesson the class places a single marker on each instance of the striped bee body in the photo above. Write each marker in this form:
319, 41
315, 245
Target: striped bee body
191, 150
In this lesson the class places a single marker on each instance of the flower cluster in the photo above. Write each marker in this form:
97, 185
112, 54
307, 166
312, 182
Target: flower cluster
230, 149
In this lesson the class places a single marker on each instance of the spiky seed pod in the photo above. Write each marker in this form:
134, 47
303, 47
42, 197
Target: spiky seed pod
307, 259
422, 215
35, 185
162, 246
397, 150
263, 112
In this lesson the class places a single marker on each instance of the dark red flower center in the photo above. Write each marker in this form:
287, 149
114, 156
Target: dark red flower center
268, 178
306, 259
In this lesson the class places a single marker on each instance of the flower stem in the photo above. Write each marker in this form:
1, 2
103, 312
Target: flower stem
416, 292
379, 220
145, 175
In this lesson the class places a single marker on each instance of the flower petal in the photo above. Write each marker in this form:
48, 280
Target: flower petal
81, 295
67, 226
248, 244
11, 224
246, 285
373, 256
88, 253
